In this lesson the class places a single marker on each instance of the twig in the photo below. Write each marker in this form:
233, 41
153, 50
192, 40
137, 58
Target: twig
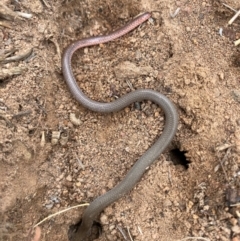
18, 57
4, 108
235, 205
22, 113
55, 214
43, 139
7, 53
122, 232
130, 85
8, 122
234, 17
229, 7
195, 238
5, 118
237, 42
6, 25
6, 73
57, 47
24, 15
223, 160
46, 3
173, 15
140, 230
170, 176
129, 234
80, 163
221, 32
223, 147
7, 13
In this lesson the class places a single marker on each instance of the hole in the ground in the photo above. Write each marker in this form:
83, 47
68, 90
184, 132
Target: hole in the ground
96, 231
178, 157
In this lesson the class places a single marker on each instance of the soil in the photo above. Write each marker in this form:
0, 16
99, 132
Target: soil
55, 154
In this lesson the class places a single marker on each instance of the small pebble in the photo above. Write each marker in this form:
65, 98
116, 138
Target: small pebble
49, 206
236, 229
69, 178
104, 219
237, 238
111, 227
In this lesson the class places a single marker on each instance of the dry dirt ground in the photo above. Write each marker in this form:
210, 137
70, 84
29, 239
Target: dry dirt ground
186, 57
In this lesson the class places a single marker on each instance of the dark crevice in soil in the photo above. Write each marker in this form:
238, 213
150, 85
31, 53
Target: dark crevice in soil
178, 157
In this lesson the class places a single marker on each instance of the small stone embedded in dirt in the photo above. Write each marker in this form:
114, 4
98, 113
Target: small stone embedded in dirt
55, 137
236, 95
76, 121
233, 221
49, 205
111, 227
167, 203
78, 184
104, 219
128, 69
69, 178
68, 184
65, 192
232, 196
236, 229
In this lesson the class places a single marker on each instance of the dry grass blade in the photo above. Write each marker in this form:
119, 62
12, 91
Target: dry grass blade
22, 113
173, 15
122, 232
234, 17
19, 57
129, 234
224, 4
46, 4
235, 205
7, 13
195, 238
24, 15
60, 212
6, 73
